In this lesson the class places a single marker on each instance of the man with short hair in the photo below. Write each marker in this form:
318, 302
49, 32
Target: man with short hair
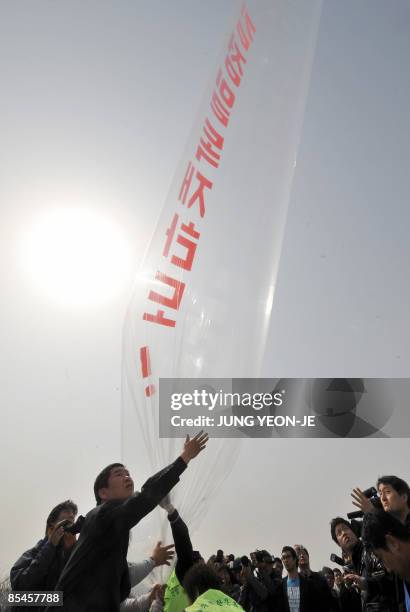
320, 588
394, 494
96, 578
394, 497
368, 573
390, 541
39, 568
296, 590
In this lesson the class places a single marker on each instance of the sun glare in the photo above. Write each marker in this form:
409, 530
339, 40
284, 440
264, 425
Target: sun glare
76, 257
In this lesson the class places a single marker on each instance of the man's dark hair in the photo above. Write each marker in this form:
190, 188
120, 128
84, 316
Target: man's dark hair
292, 551
376, 525
276, 559
102, 480
198, 579
67, 505
334, 523
327, 570
398, 484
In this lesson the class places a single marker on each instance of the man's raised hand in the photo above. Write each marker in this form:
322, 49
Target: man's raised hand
193, 447
361, 501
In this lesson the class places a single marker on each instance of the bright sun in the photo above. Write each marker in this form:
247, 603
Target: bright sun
76, 257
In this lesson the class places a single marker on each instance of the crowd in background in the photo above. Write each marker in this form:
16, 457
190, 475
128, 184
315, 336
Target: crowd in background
85, 558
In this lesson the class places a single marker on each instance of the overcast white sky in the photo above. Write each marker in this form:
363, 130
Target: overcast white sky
97, 102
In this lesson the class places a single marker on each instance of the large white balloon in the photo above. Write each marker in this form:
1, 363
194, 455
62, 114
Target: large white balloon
204, 294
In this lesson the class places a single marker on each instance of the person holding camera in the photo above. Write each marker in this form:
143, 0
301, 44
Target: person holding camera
394, 497
367, 573
261, 587
39, 568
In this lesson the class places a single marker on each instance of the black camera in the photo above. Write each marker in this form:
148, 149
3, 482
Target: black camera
337, 559
73, 528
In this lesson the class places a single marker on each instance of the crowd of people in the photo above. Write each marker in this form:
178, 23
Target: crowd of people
86, 558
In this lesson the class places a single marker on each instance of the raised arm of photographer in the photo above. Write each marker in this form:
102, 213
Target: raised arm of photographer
361, 501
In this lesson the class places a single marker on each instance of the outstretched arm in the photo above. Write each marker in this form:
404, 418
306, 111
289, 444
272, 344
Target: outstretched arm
130, 512
183, 545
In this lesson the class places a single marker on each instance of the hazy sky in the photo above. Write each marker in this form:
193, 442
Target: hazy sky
97, 102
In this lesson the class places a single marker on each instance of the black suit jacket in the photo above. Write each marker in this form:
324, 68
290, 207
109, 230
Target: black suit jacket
307, 603
96, 577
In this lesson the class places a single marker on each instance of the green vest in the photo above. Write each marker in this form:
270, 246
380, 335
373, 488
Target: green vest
213, 600
175, 598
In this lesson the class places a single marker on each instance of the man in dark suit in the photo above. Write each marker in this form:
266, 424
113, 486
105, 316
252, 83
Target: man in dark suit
297, 593
320, 588
96, 577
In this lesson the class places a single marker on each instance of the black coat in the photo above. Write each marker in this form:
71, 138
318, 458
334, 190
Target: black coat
38, 569
307, 596
324, 600
96, 577
380, 584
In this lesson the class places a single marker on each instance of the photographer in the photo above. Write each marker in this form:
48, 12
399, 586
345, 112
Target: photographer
39, 568
394, 498
254, 595
368, 573
394, 495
